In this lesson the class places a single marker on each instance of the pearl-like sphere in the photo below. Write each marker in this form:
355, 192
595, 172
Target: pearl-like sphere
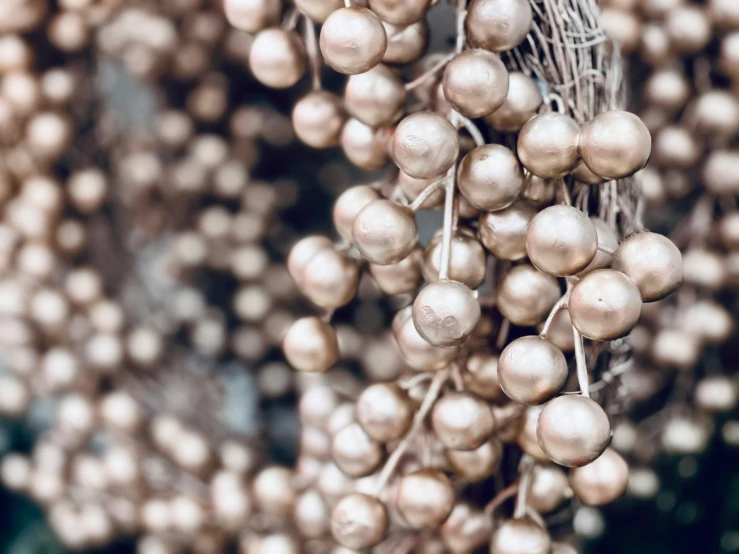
417, 351
615, 144
375, 97
526, 436
405, 44
490, 177
359, 521
402, 277
355, 452
400, 12
602, 481
548, 489
384, 412
384, 232
503, 232
689, 29
498, 25
425, 145
475, 83
310, 345
608, 239
425, 498
445, 312
605, 305
252, 15
348, 205
520, 536
352, 40
302, 252
318, 10
277, 58
548, 145
466, 259
317, 119
561, 240
653, 262
526, 295
531, 370
330, 279
462, 421
480, 376
478, 464
466, 529
573, 430
521, 104
364, 146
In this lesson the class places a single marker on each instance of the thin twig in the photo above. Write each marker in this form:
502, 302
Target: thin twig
446, 245
433, 70
425, 194
428, 401
582, 368
508, 492
505, 327
525, 468
311, 46
561, 303
471, 128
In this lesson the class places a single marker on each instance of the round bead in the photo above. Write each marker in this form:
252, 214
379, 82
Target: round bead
318, 10
364, 146
352, 40
425, 145
561, 240
355, 452
400, 12
461, 421
384, 412
375, 97
521, 104
466, 259
277, 58
416, 351
615, 144
330, 279
498, 25
548, 145
605, 305
573, 430
602, 481
310, 345
480, 376
348, 205
467, 529
425, 498
402, 277
503, 232
359, 521
526, 295
445, 312
384, 232
520, 536
531, 370
252, 15
317, 119
475, 83
549, 488
405, 44
490, 177
653, 262
478, 464
606, 238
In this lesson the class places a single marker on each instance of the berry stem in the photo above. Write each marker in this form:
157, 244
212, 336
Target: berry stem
446, 246
525, 468
311, 45
582, 367
508, 492
604, 248
428, 191
561, 303
433, 70
471, 128
428, 401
